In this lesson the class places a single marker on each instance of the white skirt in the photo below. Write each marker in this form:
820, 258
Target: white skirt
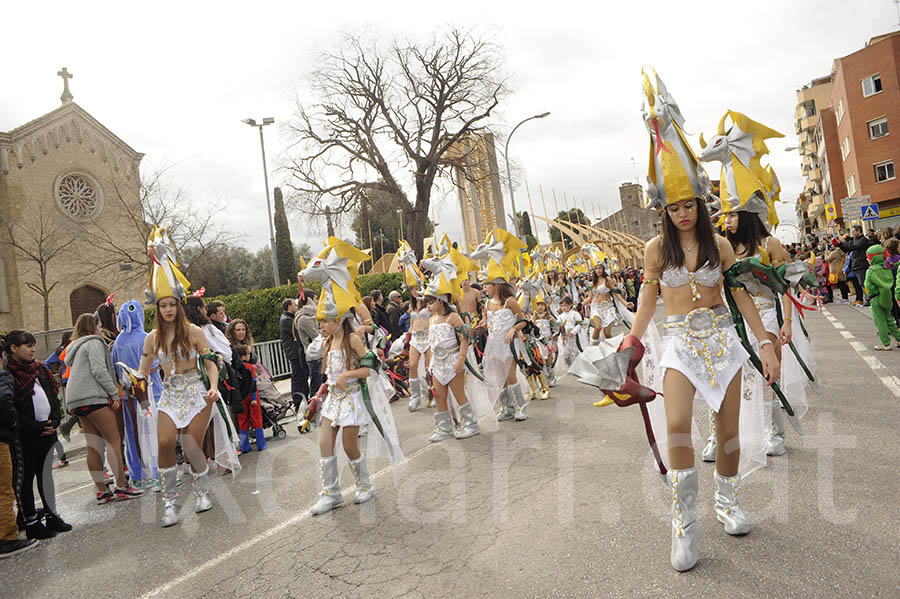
606, 312
345, 407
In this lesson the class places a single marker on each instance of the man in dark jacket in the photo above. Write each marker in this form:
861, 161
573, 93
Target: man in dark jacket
293, 351
393, 314
9, 531
859, 264
379, 315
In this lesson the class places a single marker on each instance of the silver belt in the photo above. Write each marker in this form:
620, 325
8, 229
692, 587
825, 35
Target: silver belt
700, 322
182, 380
442, 352
763, 302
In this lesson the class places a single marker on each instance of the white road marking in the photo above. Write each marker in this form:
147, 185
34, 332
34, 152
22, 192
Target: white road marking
891, 382
165, 588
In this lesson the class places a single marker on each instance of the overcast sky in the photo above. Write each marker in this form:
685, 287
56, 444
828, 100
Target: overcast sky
174, 80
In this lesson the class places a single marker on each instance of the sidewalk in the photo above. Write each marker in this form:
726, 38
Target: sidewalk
76, 447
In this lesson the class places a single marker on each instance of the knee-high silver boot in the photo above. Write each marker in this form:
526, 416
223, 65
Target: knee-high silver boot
728, 512
686, 530
520, 403
168, 478
775, 420
709, 452
365, 490
201, 492
443, 428
330, 495
468, 424
415, 394
507, 408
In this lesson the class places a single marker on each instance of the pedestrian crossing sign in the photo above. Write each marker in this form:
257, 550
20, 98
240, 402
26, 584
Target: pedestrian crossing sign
870, 212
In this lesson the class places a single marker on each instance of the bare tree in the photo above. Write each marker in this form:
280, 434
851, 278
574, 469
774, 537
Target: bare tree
39, 237
157, 202
384, 110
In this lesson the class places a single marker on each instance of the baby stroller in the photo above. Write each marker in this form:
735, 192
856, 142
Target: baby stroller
273, 405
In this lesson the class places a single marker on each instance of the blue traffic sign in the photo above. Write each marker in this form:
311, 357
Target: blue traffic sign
870, 212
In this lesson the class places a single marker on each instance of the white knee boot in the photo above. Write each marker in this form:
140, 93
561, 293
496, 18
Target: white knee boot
686, 530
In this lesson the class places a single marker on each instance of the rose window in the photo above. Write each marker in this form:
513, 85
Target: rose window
78, 197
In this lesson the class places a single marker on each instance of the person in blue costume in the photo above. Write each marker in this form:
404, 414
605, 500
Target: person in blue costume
127, 349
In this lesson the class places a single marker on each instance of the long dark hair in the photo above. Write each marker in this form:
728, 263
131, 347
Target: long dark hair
750, 233
16, 337
672, 256
182, 338
192, 305
107, 314
595, 277
232, 338
347, 329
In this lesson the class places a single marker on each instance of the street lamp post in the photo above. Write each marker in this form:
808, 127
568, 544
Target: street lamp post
512, 198
262, 145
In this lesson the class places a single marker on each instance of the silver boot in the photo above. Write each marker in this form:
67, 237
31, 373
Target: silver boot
709, 452
520, 403
168, 478
468, 424
443, 429
507, 409
365, 490
686, 530
330, 495
775, 440
415, 394
201, 492
728, 512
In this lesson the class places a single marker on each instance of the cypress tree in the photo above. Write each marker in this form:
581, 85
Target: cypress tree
287, 261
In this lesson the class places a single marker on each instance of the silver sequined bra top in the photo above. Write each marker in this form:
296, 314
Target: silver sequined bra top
423, 314
335, 364
500, 321
705, 276
176, 356
442, 337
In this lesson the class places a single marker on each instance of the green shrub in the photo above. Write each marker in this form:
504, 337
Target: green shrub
261, 308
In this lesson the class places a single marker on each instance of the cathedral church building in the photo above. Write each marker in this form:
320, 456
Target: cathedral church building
67, 185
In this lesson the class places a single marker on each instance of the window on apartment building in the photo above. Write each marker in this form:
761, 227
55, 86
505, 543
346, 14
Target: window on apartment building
851, 186
871, 85
884, 171
845, 148
839, 111
878, 128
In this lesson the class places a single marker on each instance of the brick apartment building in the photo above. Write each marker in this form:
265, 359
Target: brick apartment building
865, 99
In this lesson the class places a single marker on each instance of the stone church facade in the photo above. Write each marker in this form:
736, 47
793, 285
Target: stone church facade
66, 183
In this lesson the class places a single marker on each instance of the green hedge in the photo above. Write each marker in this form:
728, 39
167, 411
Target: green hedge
261, 308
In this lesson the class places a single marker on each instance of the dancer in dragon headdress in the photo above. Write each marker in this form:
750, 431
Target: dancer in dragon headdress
504, 318
357, 394
700, 353
189, 393
748, 195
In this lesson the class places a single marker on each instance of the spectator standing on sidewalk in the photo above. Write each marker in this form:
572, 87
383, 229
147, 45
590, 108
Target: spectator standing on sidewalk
37, 406
293, 351
215, 311
837, 278
393, 314
306, 328
857, 247
10, 477
60, 373
379, 314
92, 395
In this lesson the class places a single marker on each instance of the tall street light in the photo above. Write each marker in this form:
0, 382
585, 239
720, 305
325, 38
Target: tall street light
262, 145
512, 198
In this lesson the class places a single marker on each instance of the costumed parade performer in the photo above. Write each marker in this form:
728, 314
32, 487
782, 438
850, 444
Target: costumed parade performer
748, 192
140, 401
570, 323
419, 317
504, 320
355, 394
600, 297
700, 353
878, 283
450, 340
190, 379
548, 328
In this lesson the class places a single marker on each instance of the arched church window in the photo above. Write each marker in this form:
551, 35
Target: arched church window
79, 196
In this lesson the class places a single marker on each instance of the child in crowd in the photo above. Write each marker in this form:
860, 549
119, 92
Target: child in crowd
251, 415
570, 325
878, 285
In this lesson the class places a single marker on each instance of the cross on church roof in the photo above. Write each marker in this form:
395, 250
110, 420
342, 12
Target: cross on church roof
66, 96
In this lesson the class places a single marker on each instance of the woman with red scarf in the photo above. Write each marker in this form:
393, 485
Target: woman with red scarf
37, 405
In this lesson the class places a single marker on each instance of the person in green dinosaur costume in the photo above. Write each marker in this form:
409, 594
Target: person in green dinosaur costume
879, 280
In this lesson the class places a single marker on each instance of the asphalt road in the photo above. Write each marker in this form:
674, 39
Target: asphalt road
564, 504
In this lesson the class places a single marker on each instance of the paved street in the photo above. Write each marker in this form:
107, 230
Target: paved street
563, 505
